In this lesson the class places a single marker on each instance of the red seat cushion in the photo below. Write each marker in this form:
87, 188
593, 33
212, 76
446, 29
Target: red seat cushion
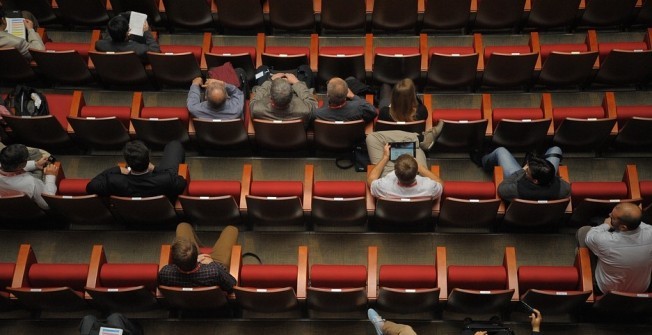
81, 48
605, 48
73, 186
128, 275
646, 192
469, 190
477, 277
462, 114
286, 50
214, 188
624, 113
338, 276
560, 113
276, 188
506, 49
205, 250
408, 276
196, 50
555, 278
123, 113
268, 276
58, 275
59, 105
396, 50
605, 190
523, 113
547, 49
6, 274
341, 50
234, 50
339, 189
165, 112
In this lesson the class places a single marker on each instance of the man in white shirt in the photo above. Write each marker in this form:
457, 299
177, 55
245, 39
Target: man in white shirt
623, 246
14, 174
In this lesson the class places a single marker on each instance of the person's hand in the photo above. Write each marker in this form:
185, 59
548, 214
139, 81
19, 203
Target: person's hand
278, 75
386, 151
42, 163
481, 332
197, 81
210, 82
292, 79
145, 26
150, 167
28, 24
124, 170
536, 320
204, 259
51, 170
350, 94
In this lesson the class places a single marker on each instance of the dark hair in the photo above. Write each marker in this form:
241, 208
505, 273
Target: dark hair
2, 12
136, 155
118, 28
13, 157
184, 254
406, 168
541, 170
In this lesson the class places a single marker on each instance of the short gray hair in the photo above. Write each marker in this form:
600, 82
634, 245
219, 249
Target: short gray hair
336, 90
281, 93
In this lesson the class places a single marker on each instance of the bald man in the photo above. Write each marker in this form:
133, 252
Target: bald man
343, 105
221, 100
623, 246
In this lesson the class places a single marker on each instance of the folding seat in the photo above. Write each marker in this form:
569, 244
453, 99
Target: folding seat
338, 136
149, 7
552, 14
77, 208
596, 199
99, 127
476, 289
643, 16
220, 134
498, 14
342, 16
174, 69
464, 128
394, 58
339, 205
280, 135
41, 9
441, 15
241, 51
467, 206
634, 117
63, 62
286, 53
581, 127
271, 290
212, 204
392, 16
291, 16
515, 121
241, 16
567, 60
14, 67
121, 287
6, 276
17, 210
48, 131
606, 13
615, 303
450, 65
408, 289
342, 291
411, 127
120, 69
557, 289
341, 57
624, 58
48, 286
90, 14
504, 64
158, 125
275, 205
189, 14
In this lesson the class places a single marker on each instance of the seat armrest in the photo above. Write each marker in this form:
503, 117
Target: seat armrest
442, 277
302, 276
583, 263
372, 273
98, 258
24, 260
509, 262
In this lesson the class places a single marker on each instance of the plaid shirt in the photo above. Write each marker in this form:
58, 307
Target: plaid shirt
213, 274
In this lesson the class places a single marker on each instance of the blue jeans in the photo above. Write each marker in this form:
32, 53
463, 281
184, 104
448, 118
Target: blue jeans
504, 158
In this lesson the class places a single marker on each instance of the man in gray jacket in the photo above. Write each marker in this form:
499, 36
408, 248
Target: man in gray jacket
283, 97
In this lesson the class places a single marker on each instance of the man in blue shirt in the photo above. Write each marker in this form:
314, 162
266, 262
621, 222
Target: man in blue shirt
221, 100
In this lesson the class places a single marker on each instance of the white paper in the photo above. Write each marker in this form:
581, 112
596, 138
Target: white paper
136, 23
16, 27
110, 331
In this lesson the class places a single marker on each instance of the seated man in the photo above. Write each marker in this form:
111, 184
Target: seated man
221, 100
623, 246
191, 269
343, 105
537, 180
8, 40
283, 97
407, 180
14, 166
118, 39
141, 178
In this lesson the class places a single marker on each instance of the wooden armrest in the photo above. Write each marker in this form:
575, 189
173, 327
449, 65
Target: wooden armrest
314, 52
630, 177
498, 178
369, 53
442, 277
24, 260
427, 101
302, 277
308, 182
509, 262
535, 46
98, 258
486, 113
247, 175
592, 43
436, 207
423, 47
369, 127
60, 173
528, 6
648, 37
474, 6
546, 106
137, 105
165, 256
372, 273
583, 263
479, 48
609, 105
260, 47
236, 262
206, 45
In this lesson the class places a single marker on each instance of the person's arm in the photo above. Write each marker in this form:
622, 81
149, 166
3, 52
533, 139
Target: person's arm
303, 92
151, 42
194, 96
508, 189
225, 279
378, 168
258, 102
595, 236
100, 184
425, 172
49, 187
34, 41
36, 165
236, 98
536, 321
368, 110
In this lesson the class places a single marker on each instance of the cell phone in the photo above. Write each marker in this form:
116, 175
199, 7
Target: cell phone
527, 308
396, 149
51, 159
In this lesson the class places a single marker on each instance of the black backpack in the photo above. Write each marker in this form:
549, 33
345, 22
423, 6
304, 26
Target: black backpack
25, 104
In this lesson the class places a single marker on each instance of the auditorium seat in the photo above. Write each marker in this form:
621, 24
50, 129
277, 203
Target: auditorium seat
342, 290
14, 68
464, 126
48, 286
340, 60
175, 70
240, 17
634, 116
290, 16
121, 287
494, 15
557, 289
158, 125
411, 288
410, 126
190, 15
149, 7
552, 14
283, 53
395, 16
624, 59
275, 205
449, 65
280, 135
241, 51
442, 15
339, 205
99, 127
85, 13
567, 61
17, 210
342, 16
119, 69
595, 199
63, 62
481, 289
41, 9
338, 136
606, 13
271, 290
394, 58
506, 62
615, 303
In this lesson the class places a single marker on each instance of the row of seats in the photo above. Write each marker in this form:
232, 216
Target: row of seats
441, 63
315, 290
281, 205
350, 16
618, 119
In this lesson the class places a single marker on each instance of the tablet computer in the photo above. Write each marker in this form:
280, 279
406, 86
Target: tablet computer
397, 149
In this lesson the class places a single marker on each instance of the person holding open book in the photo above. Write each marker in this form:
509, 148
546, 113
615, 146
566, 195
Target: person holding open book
119, 37
31, 41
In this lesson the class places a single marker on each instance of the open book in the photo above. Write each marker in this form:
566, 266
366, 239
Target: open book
136, 23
